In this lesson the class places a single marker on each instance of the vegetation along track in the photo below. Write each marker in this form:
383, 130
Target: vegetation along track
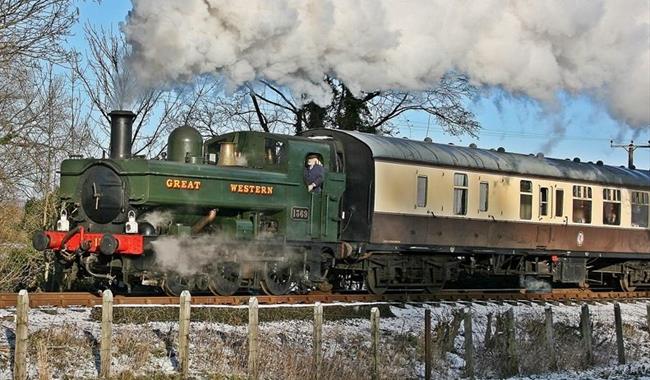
92, 299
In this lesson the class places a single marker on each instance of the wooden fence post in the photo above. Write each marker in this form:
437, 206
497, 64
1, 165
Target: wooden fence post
107, 335
318, 340
585, 324
511, 344
550, 340
22, 320
252, 339
427, 344
619, 333
374, 332
184, 332
469, 344
648, 316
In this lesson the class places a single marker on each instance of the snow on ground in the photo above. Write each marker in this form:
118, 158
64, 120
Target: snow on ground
65, 344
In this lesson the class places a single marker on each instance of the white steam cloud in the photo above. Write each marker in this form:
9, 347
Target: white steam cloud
191, 255
535, 48
158, 219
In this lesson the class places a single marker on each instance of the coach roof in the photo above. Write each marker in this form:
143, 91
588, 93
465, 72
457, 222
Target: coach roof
405, 150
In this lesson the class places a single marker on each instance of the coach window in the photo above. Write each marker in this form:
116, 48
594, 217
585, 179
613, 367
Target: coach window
526, 200
422, 191
640, 203
484, 189
582, 204
543, 201
612, 207
460, 194
559, 202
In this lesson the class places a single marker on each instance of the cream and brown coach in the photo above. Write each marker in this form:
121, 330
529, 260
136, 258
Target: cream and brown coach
427, 213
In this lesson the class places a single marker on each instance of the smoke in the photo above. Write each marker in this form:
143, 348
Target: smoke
125, 89
191, 255
534, 285
183, 255
557, 134
533, 48
158, 219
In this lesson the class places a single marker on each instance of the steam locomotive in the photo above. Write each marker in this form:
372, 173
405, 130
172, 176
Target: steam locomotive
233, 213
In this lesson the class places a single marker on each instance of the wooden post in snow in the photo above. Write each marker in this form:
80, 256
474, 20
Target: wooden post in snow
318, 341
107, 335
619, 333
469, 344
550, 340
253, 370
585, 325
374, 332
184, 332
511, 343
22, 320
427, 344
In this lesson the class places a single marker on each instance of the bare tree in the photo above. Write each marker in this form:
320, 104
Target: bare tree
444, 103
110, 85
34, 29
43, 136
31, 33
373, 112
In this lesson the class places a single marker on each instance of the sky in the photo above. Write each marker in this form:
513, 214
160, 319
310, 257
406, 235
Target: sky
575, 127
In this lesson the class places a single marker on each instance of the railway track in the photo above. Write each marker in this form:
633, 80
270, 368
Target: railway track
560, 295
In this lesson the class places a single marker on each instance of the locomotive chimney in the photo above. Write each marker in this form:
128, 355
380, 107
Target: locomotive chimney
121, 132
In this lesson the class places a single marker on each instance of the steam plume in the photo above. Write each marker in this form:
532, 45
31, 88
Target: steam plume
535, 48
158, 219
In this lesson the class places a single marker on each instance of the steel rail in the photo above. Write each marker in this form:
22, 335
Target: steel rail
70, 299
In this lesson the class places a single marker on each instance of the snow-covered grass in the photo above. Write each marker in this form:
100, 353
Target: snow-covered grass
64, 343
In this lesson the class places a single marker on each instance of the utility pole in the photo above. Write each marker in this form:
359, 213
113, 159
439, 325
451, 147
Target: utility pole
630, 148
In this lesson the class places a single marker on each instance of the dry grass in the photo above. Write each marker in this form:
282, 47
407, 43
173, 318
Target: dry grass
42, 361
531, 348
58, 349
238, 316
136, 350
21, 267
220, 351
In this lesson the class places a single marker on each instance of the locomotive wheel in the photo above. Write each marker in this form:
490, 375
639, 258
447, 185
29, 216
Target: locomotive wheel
372, 283
276, 279
224, 279
174, 284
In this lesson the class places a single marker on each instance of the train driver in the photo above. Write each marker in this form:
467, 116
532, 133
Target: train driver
314, 173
